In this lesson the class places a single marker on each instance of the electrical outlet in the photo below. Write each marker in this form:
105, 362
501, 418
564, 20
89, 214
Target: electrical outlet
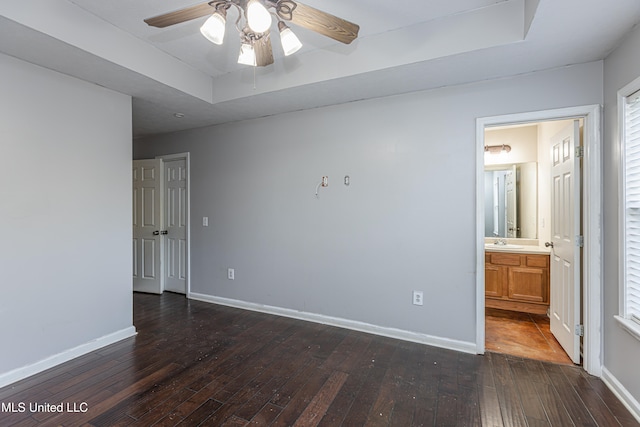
231, 274
418, 298
205, 221
325, 181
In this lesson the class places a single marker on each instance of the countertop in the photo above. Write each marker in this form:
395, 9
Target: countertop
519, 249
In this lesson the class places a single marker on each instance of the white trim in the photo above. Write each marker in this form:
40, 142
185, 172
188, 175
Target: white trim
629, 325
463, 346
187, 158
67, 355
621, 393
622, 95
480, 285
592, 223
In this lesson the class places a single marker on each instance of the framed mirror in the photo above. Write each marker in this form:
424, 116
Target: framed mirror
511, 200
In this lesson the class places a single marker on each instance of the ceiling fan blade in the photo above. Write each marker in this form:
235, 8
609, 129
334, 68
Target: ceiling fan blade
320, 22
182, 15
263, 50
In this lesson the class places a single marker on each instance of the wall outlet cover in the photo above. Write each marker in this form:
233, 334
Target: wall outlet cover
418, 298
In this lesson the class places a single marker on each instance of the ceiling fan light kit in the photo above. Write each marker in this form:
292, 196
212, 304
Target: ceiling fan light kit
213, 28
247, 55
258, 17
256, 23
290, 42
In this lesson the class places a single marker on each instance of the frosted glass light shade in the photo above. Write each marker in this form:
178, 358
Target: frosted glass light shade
247, 55
258, 17
213, 28
290, 42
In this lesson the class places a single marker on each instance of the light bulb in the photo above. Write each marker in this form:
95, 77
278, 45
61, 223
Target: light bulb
290, 42
258, 17
247, 55
213, 28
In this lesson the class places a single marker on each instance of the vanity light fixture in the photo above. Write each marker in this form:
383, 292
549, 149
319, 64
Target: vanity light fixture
497, 149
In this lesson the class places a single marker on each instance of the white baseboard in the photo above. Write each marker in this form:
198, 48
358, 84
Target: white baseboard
621, 393
463, 346
29, 370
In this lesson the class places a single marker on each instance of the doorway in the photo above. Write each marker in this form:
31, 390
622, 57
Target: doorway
589, 216
161, 231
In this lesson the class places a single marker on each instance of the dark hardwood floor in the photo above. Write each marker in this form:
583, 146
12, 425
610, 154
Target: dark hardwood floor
194, 363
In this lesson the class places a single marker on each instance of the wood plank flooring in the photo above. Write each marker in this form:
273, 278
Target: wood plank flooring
199, 364
522, 334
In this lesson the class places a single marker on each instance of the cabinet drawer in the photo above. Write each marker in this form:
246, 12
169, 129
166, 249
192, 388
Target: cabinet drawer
537, 261
505, 259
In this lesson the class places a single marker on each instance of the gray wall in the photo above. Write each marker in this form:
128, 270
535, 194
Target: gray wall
65, 217
621, 350
406, 222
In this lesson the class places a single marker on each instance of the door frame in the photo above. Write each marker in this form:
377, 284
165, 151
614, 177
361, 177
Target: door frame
187, 158
591, 221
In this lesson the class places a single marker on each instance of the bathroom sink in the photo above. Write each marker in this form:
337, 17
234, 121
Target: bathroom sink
507, 247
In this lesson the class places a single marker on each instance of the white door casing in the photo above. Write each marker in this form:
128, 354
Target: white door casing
147, 224
565, 231
175, 210
592, 277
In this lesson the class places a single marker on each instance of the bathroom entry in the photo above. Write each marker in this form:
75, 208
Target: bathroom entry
531, 177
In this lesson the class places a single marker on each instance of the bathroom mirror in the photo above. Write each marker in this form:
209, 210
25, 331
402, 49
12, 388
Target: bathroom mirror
511, 200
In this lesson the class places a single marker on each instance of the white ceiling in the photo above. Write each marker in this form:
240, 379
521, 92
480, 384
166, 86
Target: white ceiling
403, 46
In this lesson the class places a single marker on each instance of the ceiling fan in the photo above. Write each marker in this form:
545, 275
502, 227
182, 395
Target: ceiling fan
254, 25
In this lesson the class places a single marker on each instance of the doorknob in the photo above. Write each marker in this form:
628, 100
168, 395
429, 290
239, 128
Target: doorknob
164, 232
156, 233
549, 244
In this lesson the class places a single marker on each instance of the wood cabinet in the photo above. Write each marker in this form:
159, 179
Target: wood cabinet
516, 281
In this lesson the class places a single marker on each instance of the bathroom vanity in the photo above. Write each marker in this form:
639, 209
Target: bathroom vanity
517, 278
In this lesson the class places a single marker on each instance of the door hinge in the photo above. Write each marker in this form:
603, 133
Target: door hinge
580, 241
580, 330
579, 151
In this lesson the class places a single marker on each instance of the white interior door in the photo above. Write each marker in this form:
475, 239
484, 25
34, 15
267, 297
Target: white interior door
175, 178
147, 226
565, 229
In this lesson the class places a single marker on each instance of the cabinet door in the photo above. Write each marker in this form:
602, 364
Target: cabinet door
493, 280
528, 284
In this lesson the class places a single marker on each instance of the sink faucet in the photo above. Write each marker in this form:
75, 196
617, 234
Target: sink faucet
501, 242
